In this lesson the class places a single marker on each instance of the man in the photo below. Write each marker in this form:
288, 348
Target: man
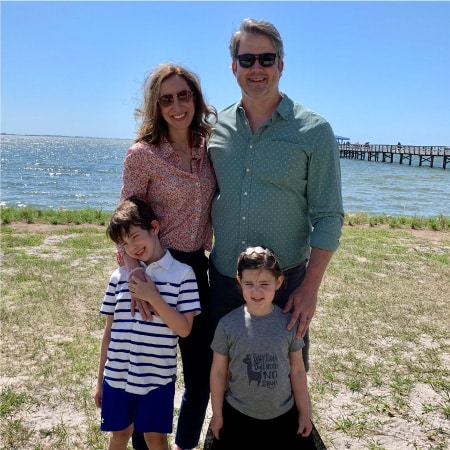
279, 184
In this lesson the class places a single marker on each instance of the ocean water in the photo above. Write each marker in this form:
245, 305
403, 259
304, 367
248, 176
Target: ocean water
75, 173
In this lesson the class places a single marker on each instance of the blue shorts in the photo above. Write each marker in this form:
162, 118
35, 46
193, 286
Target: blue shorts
150, 413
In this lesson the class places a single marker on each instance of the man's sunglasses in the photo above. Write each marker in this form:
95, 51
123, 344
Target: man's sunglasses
247, 60
183, 96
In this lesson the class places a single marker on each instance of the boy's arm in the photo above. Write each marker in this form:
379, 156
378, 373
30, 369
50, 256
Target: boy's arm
176, 321
106, 339
299, 385
218, 385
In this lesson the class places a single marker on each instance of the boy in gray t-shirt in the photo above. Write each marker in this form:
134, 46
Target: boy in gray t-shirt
259, 389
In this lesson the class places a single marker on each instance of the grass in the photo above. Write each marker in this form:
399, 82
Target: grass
380, 349
30, 215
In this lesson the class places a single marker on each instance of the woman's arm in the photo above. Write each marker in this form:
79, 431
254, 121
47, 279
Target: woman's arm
147, 291
135, 181
135, 269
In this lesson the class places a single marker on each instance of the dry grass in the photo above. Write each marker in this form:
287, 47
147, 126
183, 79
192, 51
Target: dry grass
380, 351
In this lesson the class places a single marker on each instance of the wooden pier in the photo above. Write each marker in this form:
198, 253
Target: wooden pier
427, 155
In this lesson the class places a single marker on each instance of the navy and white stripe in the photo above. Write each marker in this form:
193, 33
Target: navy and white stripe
142, 355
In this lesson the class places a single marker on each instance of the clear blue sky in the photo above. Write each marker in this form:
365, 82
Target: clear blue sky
378, 71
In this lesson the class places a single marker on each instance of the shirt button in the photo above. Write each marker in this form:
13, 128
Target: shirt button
243, 218
245, 193
247, 170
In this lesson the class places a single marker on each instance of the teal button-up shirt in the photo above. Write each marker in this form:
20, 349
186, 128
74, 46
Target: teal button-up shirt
279, 187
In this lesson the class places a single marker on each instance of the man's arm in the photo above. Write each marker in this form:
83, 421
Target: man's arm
303, 300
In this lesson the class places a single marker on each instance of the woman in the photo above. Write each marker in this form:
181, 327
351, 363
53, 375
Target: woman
168, 167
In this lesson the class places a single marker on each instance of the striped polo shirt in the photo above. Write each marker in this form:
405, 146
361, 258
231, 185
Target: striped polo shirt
142, 355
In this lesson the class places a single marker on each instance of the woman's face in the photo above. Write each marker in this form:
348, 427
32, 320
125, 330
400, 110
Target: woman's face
176, 103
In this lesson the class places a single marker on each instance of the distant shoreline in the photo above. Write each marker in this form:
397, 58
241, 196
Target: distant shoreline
338, 138
64, 136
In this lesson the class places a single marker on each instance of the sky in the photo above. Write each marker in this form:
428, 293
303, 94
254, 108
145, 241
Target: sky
379, 72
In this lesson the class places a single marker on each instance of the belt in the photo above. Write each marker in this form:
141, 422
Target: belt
297, 268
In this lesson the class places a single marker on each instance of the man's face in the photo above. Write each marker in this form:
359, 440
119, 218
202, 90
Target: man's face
257, 81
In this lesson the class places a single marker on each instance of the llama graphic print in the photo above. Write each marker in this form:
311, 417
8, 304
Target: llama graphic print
262, 369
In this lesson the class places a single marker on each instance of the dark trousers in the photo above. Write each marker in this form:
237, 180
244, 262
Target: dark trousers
226, 295
196, 356
243, 432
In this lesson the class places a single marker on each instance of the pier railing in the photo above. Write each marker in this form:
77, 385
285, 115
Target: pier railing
404, 153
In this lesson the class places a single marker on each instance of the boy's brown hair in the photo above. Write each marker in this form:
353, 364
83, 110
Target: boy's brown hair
132, 211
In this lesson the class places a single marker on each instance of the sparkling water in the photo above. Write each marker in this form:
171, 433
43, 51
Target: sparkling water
76, 172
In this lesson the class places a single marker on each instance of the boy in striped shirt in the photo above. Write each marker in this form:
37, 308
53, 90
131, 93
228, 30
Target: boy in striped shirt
138, 358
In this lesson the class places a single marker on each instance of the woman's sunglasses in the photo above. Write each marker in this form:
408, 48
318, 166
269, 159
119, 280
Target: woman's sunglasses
183, 96
247, 60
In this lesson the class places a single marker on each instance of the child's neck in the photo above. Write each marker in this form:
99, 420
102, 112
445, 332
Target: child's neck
259, 312
156, 256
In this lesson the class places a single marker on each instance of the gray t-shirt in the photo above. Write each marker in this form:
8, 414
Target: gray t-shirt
258, 348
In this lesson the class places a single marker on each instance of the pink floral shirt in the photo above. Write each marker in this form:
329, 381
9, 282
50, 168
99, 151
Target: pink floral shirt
181, 200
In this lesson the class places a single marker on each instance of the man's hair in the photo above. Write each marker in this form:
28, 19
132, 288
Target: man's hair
258, 258
256, 27
132, 211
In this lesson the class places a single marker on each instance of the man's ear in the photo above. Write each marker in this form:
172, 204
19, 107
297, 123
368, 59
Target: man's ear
238, 278
234, 67
280, 67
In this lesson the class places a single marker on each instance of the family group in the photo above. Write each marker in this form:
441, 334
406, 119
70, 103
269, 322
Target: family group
225, 227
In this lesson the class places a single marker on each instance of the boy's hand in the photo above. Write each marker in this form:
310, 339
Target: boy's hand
97, 396
137, 303
144, 290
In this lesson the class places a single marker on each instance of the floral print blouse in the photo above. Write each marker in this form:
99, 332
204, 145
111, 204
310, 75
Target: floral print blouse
181, 200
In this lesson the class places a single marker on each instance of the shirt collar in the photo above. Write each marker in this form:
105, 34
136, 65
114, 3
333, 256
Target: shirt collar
164, 263
284, 108
167, 150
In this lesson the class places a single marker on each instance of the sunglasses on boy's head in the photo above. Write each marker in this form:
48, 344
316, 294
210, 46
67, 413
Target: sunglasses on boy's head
183, 96
247, 60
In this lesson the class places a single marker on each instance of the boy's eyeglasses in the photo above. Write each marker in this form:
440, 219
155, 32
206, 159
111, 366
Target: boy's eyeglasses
183, 96
247, 60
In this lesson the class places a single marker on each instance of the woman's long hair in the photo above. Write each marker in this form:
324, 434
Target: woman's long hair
153, 127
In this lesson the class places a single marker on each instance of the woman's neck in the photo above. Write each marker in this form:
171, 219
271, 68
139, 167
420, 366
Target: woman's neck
181, 146
180, 143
